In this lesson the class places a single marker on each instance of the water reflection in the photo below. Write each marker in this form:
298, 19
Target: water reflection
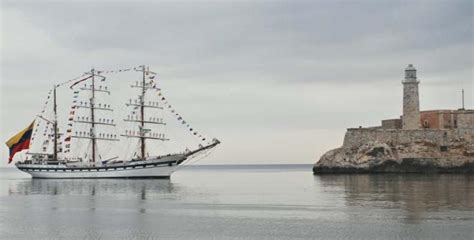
416, 194
92, 187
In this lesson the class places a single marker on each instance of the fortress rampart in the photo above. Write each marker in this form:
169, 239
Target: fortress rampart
356, 137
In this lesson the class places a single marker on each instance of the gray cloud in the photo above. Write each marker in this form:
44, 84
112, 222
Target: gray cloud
264, 37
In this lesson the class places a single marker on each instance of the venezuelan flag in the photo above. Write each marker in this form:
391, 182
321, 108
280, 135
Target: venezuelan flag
20, 141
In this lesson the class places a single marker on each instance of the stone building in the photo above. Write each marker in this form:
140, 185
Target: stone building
438, 119
392, 123
447, 119
465, 119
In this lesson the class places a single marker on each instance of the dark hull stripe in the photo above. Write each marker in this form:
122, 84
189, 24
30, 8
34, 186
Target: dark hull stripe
104, 169
134, 177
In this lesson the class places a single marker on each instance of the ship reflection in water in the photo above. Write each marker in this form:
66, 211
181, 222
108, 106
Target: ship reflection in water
93, 187
90, 189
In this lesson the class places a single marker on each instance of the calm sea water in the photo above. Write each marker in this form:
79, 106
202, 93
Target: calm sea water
239, 202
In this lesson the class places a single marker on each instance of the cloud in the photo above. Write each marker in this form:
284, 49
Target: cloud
267, 38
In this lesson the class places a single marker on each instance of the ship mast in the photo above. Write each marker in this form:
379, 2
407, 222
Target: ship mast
142, 115
92, 102
55, 126
91, 133
141, 120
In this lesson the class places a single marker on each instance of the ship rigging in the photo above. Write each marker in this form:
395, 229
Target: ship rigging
71, 159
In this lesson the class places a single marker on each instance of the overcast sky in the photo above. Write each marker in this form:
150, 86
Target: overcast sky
276, 81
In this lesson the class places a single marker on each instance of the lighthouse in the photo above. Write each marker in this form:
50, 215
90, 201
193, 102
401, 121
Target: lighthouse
411, 100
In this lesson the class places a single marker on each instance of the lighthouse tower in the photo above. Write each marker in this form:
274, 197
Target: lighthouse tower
411, 100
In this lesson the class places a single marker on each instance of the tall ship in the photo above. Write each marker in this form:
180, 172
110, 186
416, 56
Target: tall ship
91, 143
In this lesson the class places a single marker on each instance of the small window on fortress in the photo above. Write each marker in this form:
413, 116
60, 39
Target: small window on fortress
443, 148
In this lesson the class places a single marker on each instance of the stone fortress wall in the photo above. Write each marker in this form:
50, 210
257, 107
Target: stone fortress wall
356, 137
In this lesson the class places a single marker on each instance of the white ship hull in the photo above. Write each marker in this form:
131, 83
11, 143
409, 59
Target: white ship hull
151, 172
154, 168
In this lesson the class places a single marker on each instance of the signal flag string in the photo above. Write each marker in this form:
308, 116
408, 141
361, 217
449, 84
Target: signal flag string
42, 112
178, 117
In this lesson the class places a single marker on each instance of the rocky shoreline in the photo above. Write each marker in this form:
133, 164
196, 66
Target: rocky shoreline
420, 153
408, 165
